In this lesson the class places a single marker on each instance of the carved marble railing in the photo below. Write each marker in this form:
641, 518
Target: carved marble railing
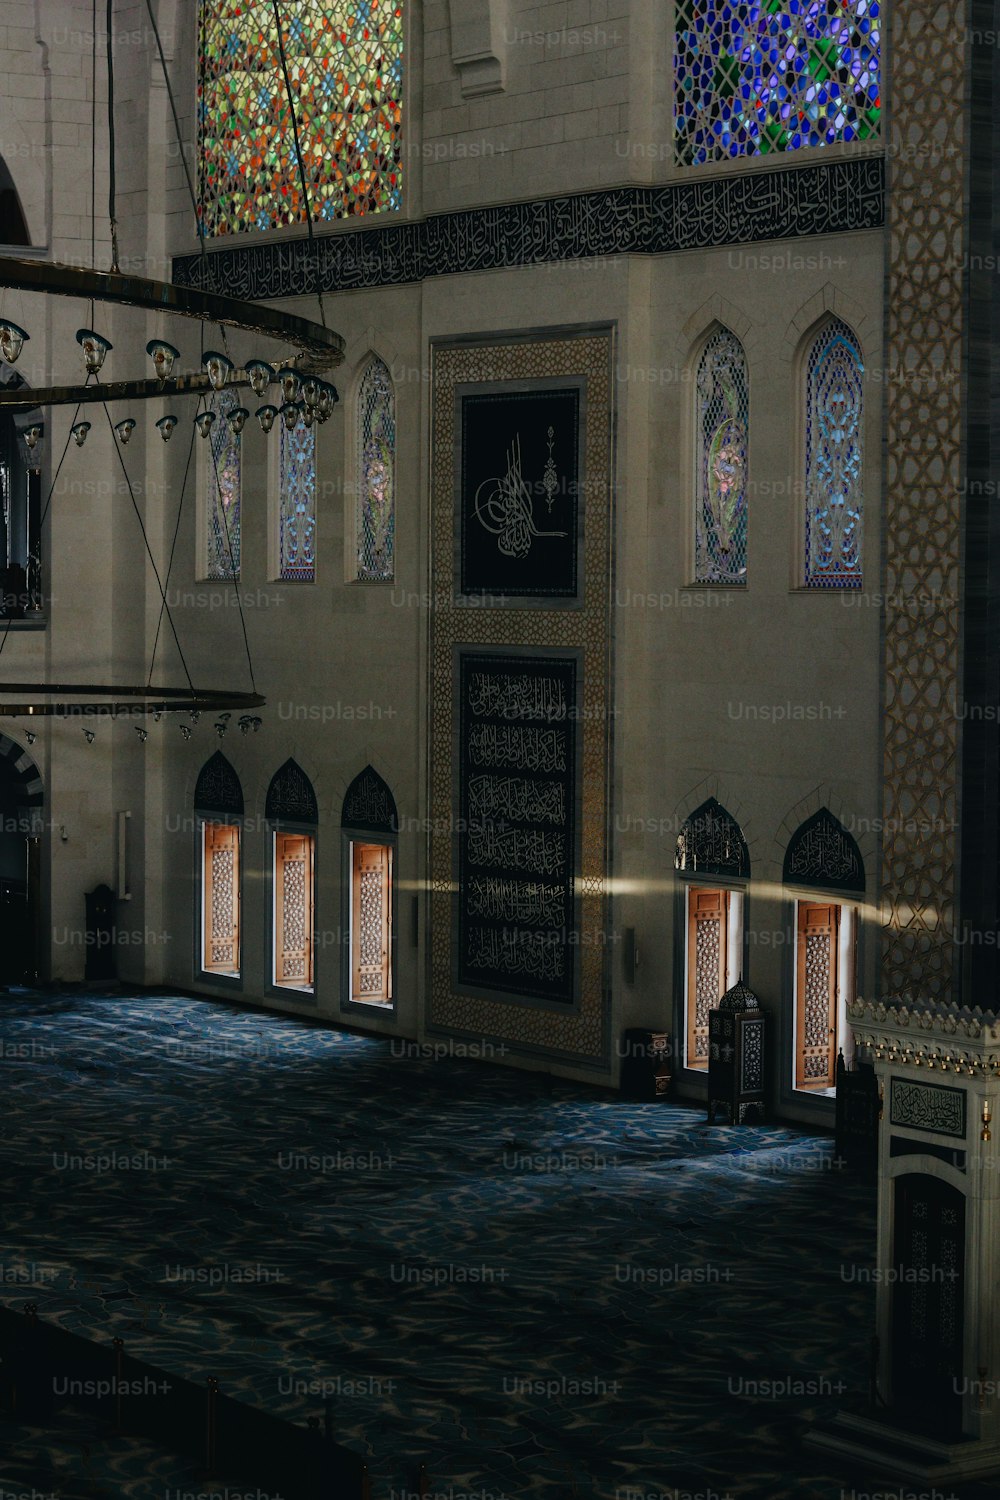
942, 1038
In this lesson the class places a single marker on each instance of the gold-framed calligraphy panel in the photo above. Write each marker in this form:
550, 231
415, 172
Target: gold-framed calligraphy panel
583, 358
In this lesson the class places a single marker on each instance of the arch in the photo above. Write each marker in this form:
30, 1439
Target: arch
218, 789
833, 370
711, 842
369, 804
822, 855
21, 774
722, 429
13, 224
290, 796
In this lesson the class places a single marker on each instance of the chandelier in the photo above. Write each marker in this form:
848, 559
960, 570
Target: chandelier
287, 390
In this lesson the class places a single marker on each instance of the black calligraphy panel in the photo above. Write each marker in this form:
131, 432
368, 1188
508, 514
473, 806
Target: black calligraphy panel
517, 825
519, 500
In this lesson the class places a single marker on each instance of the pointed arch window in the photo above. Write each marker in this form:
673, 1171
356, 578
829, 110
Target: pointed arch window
292, 811
297, 504
376, 514
823, 857
834, 458
370, 825
218, 801
712, 851
723, 421
223, 489
346, 66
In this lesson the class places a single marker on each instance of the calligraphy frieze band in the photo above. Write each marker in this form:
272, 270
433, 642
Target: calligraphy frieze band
786, 203
519, 700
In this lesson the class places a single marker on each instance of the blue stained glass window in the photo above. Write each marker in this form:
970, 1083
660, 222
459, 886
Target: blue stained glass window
774, 75
224, 485
834, 459
722, 399
297, 509
376, 520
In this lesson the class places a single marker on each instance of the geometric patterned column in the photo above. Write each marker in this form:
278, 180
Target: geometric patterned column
922, 506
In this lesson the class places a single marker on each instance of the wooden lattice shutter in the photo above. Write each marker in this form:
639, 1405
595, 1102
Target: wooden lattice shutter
816, 995
293, 909
371, 932
222, 898
707, 940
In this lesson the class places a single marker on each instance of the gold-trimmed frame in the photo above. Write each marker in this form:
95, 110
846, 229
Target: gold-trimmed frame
580, 1034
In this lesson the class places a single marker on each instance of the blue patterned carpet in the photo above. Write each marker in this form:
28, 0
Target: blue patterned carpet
536, 1289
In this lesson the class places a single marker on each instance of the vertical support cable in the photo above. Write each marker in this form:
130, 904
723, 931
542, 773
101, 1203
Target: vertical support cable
111, 136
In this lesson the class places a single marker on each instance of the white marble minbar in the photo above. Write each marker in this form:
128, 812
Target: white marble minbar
938, 1071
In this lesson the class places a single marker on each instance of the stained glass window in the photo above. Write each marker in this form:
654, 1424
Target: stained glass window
223, 487
723, 423
345, 60
774, 75
297, 510
376, 521
833, 460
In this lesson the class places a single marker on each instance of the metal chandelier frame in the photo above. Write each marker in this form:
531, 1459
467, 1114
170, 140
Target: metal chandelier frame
318, 349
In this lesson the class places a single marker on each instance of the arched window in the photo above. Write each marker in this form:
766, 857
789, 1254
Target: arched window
20, 519
290, 797
292, 811
218, 801
297, 504
711, 842
750, 80
834, 458
823, 857
370, 825
721, 438
13, 227
712, 851
822, 854
345, 65
376, 513
223, 490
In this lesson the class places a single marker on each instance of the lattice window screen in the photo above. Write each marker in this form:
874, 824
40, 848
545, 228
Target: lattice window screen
816, 995
707, 945
371, 924
222, 898
293, 892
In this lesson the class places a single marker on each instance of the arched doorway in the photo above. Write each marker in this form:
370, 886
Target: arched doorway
20, 865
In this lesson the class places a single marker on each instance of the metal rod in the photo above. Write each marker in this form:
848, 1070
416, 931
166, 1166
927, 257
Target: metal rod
325, 346
211, 1396
120, 390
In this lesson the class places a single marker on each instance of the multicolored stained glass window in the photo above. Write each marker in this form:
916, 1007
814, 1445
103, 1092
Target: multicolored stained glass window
376, 520
775, 75
223, 483
297, 509
723, 415
345, 60
834, 458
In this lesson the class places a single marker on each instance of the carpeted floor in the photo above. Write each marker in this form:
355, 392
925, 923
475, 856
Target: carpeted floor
535, 1288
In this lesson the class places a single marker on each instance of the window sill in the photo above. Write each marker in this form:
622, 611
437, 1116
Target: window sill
31, 622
